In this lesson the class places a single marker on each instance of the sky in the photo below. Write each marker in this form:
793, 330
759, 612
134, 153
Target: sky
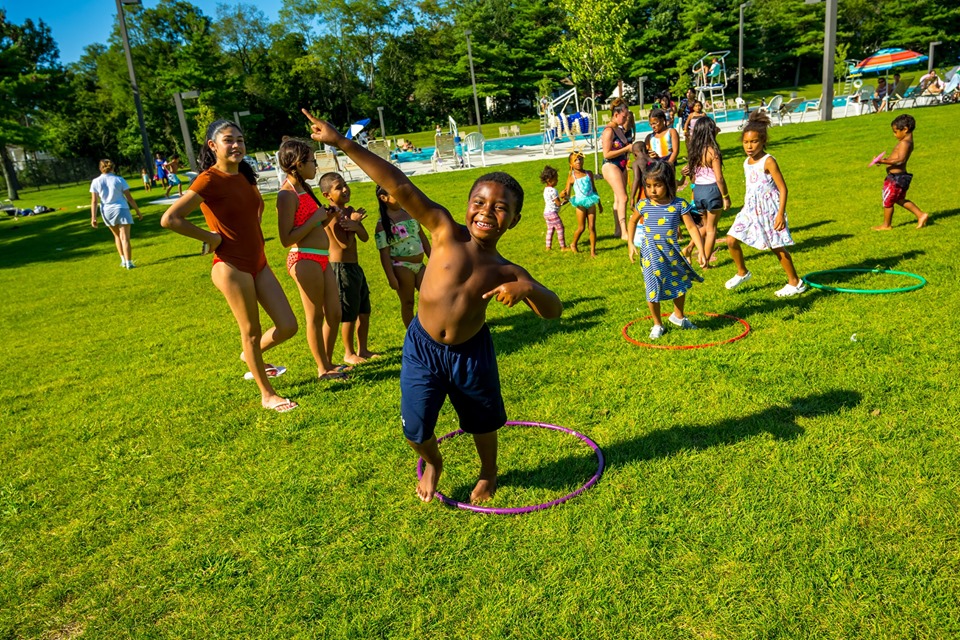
77, 23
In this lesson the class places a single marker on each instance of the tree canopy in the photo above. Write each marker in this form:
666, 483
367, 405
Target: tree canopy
344, 58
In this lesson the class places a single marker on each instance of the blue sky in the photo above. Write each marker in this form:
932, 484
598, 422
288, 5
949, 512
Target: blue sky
77, 23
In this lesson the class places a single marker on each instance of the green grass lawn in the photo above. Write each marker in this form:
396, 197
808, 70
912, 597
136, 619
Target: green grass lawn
799, 483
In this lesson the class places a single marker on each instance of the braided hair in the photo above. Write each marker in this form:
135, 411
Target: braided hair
385, 220
208, 158
294, 151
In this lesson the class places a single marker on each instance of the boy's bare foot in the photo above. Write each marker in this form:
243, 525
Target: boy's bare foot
922, 221
593, 254
484, 490
574, 250
883, 228
369, 355
428, 482
353, 359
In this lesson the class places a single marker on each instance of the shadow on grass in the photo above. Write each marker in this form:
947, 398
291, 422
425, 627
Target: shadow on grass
520, 330
779, 421
940, 215
800, 304
59, 238
818, 242
889, 262
812, 225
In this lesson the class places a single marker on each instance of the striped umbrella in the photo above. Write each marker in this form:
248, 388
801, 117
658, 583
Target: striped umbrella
886, 59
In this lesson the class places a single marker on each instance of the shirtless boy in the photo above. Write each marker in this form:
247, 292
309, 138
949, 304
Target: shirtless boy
173, 180
448, 349
354, 291
898, 180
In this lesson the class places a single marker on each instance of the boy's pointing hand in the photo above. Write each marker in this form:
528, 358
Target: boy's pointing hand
322, 131
509, 293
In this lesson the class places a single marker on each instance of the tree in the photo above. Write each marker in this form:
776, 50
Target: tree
28, 68
593, 48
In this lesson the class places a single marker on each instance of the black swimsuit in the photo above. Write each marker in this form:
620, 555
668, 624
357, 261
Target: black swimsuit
618, 143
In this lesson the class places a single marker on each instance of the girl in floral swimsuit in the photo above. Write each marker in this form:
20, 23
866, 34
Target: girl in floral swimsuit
402, 244
300, 223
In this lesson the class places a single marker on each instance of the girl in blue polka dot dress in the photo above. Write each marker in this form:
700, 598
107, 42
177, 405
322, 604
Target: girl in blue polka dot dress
654, 227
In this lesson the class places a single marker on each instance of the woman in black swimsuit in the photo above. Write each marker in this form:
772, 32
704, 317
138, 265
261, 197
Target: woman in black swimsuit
616, 150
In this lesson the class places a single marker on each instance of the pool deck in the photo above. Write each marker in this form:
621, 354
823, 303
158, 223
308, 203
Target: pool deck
268, 177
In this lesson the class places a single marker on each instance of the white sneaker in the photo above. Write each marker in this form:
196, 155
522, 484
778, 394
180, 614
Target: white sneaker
657, 331
683, 323
736, 281
791, 290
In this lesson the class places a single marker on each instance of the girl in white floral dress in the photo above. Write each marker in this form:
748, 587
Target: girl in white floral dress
762, 223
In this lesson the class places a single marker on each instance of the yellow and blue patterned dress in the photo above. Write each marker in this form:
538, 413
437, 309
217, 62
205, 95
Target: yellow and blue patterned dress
666, 273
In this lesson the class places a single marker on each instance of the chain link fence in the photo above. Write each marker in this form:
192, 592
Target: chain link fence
35, 174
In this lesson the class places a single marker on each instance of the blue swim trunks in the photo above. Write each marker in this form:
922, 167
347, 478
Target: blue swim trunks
466, 372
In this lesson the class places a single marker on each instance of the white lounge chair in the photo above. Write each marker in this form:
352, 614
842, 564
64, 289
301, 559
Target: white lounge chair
773, 108
789, 109
381, 149
326, 162
445, 153
473, 145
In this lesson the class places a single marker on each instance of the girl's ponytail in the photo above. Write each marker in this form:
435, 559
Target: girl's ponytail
385, 220
758, 123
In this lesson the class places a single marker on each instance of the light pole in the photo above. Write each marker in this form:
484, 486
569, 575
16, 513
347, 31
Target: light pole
829, 53
473, 81
187, 143
930, 56
641, 80
740, 52
148, 161
383, 129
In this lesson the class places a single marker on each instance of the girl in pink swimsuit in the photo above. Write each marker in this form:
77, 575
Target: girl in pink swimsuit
300, 222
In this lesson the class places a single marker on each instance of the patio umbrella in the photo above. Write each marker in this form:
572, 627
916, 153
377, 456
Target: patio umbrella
357, 127
887, 59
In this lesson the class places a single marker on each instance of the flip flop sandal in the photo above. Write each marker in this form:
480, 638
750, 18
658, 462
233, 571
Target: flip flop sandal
272, 372
334, 375
283, 407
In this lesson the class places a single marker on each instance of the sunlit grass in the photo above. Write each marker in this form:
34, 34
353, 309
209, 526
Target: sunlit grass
798, 483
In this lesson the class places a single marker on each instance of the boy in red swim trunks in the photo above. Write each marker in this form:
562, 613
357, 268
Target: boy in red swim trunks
448, 349
898, 180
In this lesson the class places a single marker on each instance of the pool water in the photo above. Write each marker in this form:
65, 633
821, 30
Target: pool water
536, 139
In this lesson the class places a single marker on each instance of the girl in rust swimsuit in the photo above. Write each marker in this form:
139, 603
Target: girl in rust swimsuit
226, 191
300, 222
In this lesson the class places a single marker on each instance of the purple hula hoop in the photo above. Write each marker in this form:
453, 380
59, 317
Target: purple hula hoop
536, 507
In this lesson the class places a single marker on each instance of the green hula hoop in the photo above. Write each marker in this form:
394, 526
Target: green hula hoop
920, 281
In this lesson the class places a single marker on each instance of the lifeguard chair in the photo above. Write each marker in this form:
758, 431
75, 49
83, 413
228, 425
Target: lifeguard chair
553, 119
710, 79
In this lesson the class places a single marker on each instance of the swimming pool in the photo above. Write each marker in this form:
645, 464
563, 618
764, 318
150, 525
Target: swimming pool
536, 139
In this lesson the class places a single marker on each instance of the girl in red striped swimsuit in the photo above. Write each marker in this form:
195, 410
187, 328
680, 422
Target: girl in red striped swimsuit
301, 221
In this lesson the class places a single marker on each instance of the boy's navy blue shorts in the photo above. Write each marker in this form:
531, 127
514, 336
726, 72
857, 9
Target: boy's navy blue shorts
466, 372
